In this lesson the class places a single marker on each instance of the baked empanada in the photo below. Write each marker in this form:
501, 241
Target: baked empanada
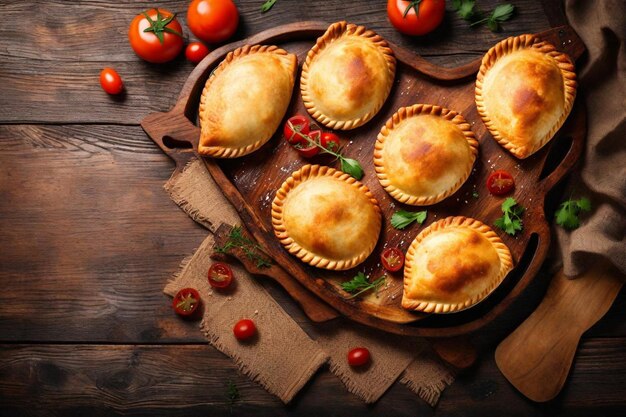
525, 90
244, 100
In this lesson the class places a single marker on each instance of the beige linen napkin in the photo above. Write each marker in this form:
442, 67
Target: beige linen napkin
197, 194
602, 177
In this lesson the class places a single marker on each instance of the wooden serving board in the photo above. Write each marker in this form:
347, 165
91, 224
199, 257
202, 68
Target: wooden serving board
250, 182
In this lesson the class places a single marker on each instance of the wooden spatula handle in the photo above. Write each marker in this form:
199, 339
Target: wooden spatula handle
537, 356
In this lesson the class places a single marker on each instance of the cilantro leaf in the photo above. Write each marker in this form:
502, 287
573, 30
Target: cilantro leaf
402, 218
511, 221
568, 211
464, 8
360, 284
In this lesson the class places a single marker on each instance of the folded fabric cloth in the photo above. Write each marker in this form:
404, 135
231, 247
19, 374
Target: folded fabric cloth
602, 176
197, 194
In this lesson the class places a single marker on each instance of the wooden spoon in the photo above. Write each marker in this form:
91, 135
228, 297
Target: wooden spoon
537, 356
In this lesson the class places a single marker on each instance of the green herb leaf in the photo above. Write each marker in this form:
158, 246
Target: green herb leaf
251, 249
351, 167
360, 284
464, 8
569, 210
402, 218
500, 14
267, 5
511, 221
232, 393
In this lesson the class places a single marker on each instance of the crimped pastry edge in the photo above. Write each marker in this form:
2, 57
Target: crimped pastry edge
228, 152
505, 47
298, 177
506, 264
402, 114
336, 31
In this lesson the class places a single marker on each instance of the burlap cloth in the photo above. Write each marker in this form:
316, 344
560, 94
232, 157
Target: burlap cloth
283, 357
602, 174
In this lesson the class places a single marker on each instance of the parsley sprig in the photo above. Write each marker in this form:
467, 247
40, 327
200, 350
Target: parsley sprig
251, 249
402, 218
350, 166
467, 11
567, 213
511, 221
267, 5
360, 284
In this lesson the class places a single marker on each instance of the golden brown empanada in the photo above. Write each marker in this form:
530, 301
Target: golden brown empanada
326, 218
244, 100
424, 153
525, 90
452, 265
347, 76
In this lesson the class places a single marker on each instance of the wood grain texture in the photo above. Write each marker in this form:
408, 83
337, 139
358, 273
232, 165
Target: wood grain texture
191, 380
50, 71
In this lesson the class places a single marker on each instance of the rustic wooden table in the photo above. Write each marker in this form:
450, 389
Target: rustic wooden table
88, 236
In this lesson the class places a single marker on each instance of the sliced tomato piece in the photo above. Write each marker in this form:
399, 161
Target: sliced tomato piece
392, 259
295, 124
500, 182
307, 149
186, 302
220, 275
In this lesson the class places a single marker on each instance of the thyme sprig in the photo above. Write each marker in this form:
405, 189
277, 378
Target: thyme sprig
254, 252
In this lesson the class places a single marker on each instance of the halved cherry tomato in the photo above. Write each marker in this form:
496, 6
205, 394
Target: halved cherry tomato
156, 35
186, 302
500, 182
212, 21
392, 259
110, 81
402, 15
196, 51
330, 141
305, 148
298, 123
220, 275
358, 356
244, 329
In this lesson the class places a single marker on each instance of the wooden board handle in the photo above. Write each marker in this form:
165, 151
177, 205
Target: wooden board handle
537, 356
313, 307
173, 133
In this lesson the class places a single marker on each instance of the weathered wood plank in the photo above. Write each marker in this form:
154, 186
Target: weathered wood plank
185, 380
50, 71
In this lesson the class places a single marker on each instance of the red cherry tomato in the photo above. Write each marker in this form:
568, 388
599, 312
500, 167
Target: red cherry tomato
162, 42
111, 81
295, 124
392, 259
409, 22
196, 51
212, 21
306, 149
220, 275
358, 356
330, 141
500, 182
244, 329
186, 302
